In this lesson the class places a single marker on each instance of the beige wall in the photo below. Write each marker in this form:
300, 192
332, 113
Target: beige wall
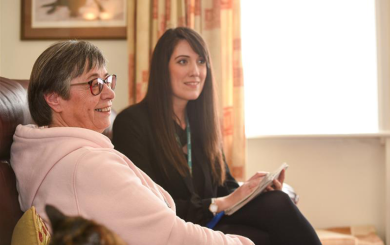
340, 180
17, 57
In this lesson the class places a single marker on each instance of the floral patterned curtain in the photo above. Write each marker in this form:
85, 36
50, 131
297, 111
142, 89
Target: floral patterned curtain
218, 21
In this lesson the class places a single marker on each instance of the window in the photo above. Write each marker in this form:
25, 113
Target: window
310, 67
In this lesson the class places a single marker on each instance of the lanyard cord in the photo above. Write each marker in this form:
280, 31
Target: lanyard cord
189, 147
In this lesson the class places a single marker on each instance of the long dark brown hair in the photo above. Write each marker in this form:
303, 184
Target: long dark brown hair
202, 112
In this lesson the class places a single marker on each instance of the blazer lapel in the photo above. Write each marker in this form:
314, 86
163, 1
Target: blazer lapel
188, 181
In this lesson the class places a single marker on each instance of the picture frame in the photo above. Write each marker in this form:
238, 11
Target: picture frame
77, 19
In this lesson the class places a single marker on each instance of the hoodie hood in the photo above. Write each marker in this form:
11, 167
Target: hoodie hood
35, 150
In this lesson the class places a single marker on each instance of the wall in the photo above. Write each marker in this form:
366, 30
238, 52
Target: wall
17, 57
340, 181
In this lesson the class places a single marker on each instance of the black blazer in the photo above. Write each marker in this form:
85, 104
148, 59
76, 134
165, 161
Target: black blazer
133, 136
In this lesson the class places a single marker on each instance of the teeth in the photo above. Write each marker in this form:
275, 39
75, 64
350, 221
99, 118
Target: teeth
103, 109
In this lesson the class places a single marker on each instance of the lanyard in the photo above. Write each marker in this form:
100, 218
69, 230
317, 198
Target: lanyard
189, 147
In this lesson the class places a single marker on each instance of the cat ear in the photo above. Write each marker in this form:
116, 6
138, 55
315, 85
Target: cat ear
55, 216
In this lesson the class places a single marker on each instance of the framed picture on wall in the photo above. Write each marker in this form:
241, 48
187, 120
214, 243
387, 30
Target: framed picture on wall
73, 19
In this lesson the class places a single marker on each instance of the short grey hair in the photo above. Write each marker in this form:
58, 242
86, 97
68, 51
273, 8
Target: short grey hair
53, 71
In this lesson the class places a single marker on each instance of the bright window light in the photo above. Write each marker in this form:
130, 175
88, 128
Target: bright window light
310, 67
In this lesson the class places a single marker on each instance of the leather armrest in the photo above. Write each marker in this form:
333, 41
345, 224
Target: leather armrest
9, 204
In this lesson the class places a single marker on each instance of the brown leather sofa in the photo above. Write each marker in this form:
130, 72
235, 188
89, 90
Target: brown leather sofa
13, 111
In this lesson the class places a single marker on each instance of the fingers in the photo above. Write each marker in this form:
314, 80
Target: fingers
277, 184
282, 176
253, 183
255, 179
258, 175
261, 173
269, 188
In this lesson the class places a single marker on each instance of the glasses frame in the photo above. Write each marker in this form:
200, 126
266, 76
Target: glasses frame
101, 83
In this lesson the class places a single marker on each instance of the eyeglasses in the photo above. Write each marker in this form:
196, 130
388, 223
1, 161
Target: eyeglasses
96, 85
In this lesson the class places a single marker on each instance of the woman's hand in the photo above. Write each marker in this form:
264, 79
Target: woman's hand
226, 202
277, 184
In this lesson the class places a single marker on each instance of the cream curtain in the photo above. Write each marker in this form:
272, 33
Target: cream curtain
218, 21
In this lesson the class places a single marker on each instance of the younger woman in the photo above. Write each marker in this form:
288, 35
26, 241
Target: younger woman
173, 135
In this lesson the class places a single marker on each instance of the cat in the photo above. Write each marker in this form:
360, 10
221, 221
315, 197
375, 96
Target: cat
75, 230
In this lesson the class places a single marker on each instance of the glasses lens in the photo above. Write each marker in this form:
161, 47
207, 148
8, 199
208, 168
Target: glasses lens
97, 86
112, 80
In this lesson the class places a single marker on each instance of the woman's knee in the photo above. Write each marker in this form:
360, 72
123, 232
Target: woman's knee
277, 196
268, 205
276, 200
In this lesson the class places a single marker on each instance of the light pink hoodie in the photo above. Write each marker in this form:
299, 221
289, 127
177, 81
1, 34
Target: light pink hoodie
78, 171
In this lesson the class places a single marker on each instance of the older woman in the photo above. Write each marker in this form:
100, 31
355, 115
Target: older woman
65, 161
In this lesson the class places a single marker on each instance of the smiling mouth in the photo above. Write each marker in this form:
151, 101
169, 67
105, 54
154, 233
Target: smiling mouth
106, 109
192, 83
